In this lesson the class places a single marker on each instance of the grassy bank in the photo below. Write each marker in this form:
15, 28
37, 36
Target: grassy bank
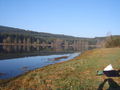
76, 74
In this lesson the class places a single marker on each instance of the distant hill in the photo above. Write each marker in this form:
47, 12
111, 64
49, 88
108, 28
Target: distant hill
11, 30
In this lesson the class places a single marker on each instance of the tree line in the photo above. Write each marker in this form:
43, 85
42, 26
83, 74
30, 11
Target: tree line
18, 36
22, 39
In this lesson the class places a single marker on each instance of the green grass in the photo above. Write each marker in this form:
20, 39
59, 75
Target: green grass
76, 74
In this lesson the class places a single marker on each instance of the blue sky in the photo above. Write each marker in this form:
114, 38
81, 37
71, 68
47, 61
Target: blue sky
82, 18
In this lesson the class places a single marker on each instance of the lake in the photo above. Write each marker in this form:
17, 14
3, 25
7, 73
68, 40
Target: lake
16, 60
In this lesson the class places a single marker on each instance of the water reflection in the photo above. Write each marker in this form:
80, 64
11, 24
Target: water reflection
15, 51
14, 67
17, 59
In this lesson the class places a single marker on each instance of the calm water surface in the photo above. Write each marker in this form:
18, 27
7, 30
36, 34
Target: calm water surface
18, 65
16, 60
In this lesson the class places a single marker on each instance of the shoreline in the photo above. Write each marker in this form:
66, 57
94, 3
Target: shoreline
80, 72
55, 59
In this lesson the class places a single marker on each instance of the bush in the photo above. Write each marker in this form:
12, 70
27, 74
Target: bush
112, 41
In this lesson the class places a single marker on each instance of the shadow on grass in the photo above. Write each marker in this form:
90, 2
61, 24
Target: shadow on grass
112, 85
112, 73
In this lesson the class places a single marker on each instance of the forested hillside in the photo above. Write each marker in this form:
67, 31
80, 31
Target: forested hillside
10, 30
16, 35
